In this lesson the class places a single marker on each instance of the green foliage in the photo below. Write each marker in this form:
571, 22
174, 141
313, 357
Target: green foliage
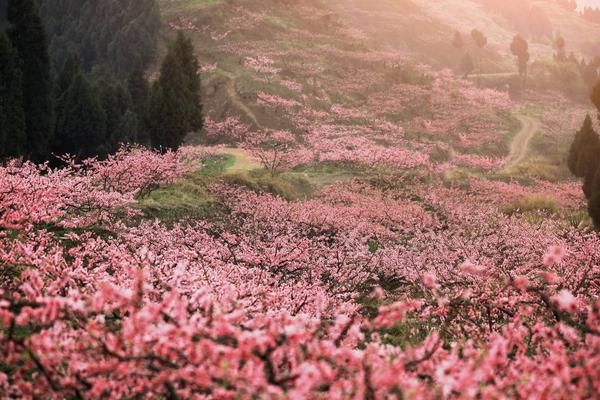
12, 118
186, 199
27, 35
520, 49
289, 187
139, 90
584, 162
594, 200
121, 120
595, 96
103, 108
189, 197
81, 126
175, 108
112, 37
583, 159
534, 203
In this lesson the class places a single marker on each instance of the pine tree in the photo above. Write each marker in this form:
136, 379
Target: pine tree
116, 103
3, 21
520, 49
184, 52
175, 106
560, 47
70, 69
81, 128
29, 39
139, 91
112, 37
12, 117
480, 41
584, 155
595, 96
168, 118
594, 200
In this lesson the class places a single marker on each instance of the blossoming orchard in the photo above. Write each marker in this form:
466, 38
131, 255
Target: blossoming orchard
357, 217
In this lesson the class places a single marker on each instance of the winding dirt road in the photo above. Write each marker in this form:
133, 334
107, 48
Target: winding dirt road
520, 144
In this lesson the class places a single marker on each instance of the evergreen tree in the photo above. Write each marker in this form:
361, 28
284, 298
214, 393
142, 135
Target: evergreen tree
184, 52
3, 21
168, 120
12, 118
71, 68
139, 91
112, 37
589, 74
117, 107
82, 126
594, 200
584, 155
560, 47
595, 96
175, 106
520, 49
480, 41
27, 35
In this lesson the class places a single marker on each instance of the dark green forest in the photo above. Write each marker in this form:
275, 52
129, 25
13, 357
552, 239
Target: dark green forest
73, 79
111, 37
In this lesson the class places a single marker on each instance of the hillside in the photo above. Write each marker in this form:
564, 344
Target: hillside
356, 219
580, 35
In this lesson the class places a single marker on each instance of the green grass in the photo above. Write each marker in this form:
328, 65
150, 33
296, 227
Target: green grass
188, 198
287, 186
529, 204
218, 165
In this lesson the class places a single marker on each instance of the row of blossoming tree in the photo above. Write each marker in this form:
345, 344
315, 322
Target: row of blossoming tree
366, 291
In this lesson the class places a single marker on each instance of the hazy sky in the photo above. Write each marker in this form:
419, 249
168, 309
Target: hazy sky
594, 3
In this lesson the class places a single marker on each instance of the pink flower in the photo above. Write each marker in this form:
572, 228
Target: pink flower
521, 282
565, 301
554, 255
429, 281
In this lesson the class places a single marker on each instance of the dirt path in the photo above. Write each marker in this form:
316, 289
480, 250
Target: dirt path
234, 96
244, 161
520, 143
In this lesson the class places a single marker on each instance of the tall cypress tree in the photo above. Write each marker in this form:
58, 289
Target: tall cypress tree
175, 106
584, 155
168, 116
184, 52
27, 35
120, 125
12, 116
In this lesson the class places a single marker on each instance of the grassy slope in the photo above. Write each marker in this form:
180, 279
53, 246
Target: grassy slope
308, 41
582, 36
